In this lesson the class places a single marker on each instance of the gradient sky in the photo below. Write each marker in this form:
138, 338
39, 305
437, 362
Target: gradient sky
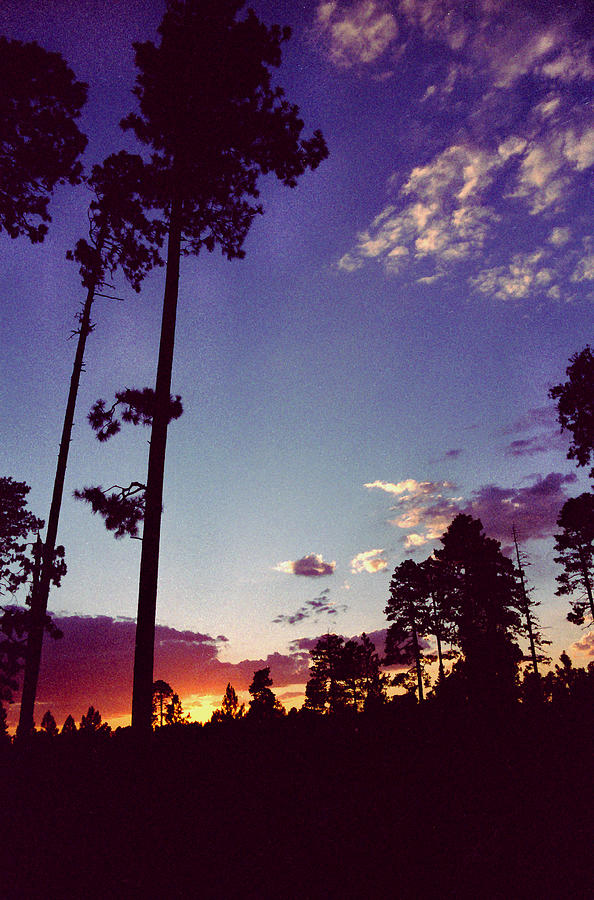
379, 361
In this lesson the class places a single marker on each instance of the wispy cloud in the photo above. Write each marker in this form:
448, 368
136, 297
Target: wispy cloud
455, 207
355, 34
310, 566
371, 561
319, 606
548, 436
409, 487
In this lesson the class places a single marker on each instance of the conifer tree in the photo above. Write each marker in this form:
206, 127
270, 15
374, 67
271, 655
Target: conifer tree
575, 406
174, 712
344, 675
48, 724
230, 707
20, 564
263, 705
40, 143
214, 123
409, 611
69, 726
483, 605
161, 692
575, 546
120, 236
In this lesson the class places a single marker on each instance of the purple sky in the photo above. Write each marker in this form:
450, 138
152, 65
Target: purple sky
379, 361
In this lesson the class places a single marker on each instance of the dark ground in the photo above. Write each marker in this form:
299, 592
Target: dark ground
419, 804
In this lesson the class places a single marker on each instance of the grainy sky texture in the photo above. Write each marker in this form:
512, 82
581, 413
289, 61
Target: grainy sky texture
379, 361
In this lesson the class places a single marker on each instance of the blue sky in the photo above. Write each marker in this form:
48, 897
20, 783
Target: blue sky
378, 362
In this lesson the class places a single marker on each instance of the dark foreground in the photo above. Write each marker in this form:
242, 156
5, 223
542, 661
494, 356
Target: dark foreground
416, 805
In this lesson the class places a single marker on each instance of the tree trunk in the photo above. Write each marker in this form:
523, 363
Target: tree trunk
437, 633
417, 654
39, 596
587, 581
526, 604
142, 691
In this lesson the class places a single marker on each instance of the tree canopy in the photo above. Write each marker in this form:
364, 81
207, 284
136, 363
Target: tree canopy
575, 546
40, 142
481, 599
575, 406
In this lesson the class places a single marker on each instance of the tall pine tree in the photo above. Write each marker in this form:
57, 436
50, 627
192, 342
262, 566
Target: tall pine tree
214, 123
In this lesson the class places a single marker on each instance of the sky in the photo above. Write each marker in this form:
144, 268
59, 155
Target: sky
379, 361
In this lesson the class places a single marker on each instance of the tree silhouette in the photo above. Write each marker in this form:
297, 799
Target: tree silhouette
120, 236
344, 675
230, 707
91, 723
324, 691
69, 726
364, 683
409, 611
214, 123
575, 406
48, 724
174, 712
531, 624
4, 735
566, 682
161, 691
482, 603
263, 705
40, 145
575, 546
20, 562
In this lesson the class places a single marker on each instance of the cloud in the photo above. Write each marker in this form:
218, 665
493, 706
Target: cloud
311, 566
584, 270
533, 509
368, 561
321, 605
458, 204
549, 436
409, 487
356, 34
585, 644
559, 236
524, 276
93, 664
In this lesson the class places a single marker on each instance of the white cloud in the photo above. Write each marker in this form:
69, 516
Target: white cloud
409, 487
452, 207
356, 34
370, 561
559, 236
578, 149
524, 276
571, 64
584, 270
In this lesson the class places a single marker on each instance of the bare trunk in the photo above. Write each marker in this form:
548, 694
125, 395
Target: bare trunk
587, 582
142, 691
437, 632
529, 627
39, 596
417, 653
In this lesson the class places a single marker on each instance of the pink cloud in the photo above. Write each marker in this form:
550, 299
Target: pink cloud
585, 644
